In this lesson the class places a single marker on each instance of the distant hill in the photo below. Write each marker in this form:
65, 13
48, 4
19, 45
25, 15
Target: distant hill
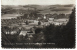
40, 8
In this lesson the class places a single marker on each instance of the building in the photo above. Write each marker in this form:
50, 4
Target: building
57, 23
46, 23
61, 20
12, 32
51, 19
23, 33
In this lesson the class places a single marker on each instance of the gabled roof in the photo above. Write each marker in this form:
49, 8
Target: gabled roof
23, 33
61, 20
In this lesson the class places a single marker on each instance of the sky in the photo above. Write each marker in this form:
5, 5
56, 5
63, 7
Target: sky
38, 2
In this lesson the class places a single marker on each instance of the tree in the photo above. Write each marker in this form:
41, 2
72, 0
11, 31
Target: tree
68, 33
62, 36
70, 42
27, 22
39, 23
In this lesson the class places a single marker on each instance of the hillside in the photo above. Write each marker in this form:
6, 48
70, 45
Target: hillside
65, 9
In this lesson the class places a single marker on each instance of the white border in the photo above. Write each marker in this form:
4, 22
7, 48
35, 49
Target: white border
30, 48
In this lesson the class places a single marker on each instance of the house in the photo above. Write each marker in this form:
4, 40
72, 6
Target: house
31, 21
28, 27
61, 20
12, 32
57, 23
36, 21
7, 32
23, 33
40, 26
46, 23
33, 24
44, 17
20, 27
51, 19
23, 23
30, 34
26, 31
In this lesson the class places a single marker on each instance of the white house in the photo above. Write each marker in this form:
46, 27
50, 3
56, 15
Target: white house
23, 33
61, 20
57, 23
11, 32
46, 23
51, 19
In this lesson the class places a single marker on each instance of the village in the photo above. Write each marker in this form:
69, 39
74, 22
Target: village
38, 24
27, 26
